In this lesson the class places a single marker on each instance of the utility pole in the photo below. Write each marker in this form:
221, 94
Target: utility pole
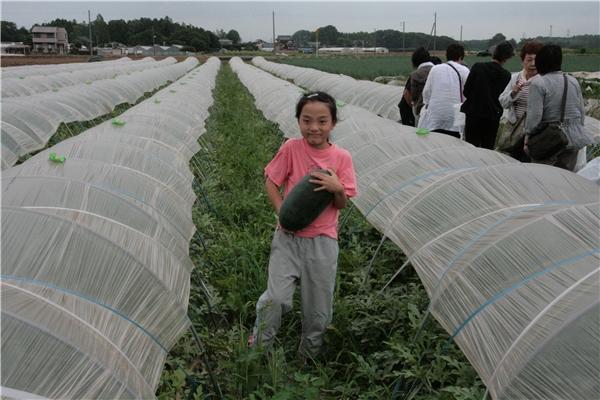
461, 33
434, 29
403, 37
317, 46
273, 32
550, 30
90, 32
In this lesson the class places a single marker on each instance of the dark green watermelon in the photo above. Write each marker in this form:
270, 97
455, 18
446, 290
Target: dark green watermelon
303, 205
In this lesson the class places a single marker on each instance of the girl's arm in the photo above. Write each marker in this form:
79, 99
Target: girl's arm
332, 184
274, 194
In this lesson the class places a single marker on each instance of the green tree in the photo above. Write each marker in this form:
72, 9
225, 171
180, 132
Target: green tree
234, 36
9, 31
301, 37
328, 35
118, 30
100, 32
498, 38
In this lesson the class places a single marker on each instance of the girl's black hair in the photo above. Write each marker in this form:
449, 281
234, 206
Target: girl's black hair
320, 97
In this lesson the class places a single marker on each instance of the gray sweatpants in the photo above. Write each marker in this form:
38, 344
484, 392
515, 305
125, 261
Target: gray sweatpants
313, 263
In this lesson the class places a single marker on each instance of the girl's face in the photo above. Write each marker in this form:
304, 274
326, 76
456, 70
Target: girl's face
315, 124
529, 65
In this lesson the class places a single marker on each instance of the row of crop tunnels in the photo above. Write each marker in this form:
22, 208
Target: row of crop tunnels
103, 233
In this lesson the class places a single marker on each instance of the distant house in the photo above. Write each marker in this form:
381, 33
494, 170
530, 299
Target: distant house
285, 42
110, 51
149, 51
7, 48
263, 46
50, 39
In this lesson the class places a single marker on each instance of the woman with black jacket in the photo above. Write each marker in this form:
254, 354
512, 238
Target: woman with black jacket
483, 86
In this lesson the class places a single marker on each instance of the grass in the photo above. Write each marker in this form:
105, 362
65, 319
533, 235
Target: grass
371, 348
370, 67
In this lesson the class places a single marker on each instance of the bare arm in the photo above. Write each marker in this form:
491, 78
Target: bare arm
274, 194
332, 184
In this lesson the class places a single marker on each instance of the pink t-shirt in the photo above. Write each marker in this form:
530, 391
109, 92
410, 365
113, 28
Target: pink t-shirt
295, 159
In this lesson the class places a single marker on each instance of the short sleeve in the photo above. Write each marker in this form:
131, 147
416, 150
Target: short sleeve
278, 168
347, 176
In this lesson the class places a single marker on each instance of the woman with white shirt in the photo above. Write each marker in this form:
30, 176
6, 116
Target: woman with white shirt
514, 98
444, 89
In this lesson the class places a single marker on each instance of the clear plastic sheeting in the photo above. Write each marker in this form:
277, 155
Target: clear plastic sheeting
95, 266
45, 69
270, 92
372, 96
509, 253
28, 122
55, 79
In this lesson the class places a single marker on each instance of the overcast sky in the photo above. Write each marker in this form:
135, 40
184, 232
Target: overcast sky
253, 20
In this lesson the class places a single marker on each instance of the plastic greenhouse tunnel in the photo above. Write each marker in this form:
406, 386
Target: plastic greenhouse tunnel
29, 121
95, 236
509, 253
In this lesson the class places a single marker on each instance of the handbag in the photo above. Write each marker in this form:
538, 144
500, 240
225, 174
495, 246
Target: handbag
548, 138
512, 137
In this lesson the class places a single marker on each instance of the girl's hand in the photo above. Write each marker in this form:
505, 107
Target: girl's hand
331, 183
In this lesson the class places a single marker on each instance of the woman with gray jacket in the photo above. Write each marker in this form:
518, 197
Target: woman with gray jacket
544, 105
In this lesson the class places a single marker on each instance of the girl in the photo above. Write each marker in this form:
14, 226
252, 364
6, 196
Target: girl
308, 256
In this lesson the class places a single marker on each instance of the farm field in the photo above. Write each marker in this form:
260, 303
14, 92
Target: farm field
371, 346
194, 165
374, 66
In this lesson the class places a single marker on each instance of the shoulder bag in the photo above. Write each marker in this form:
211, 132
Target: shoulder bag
548, 138
459, 116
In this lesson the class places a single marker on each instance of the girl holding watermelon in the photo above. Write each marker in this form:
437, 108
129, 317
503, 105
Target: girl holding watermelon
316, 178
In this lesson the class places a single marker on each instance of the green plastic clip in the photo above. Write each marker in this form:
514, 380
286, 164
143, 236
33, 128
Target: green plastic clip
118, 122
422, 131
88, 82
60, 160
156, 101
340, 103
173, 91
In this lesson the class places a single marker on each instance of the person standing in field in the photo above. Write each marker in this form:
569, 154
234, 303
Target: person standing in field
406, 114
308, 256
443, 90
421, 62
483, 86
544, 105
514, 99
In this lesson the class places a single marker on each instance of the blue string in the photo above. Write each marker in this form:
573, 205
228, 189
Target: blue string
517, 285
90, 299
489, 228
413, 181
